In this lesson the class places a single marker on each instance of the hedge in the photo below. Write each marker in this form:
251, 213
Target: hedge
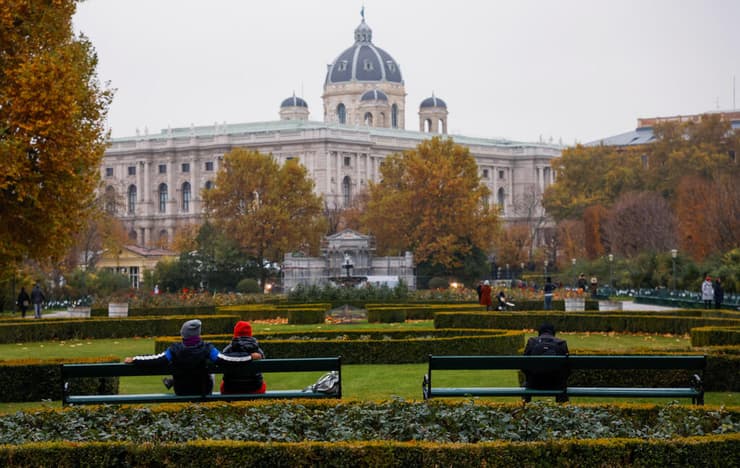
36, 380
715, 336
274, 311
157, 311
378, 346
65, 329
581, 321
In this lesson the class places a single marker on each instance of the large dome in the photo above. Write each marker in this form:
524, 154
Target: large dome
364, 61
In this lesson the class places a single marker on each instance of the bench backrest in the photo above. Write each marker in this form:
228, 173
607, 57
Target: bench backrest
695, 362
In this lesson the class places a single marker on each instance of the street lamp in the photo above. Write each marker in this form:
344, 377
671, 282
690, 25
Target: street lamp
674, 254
611, 271
545, 268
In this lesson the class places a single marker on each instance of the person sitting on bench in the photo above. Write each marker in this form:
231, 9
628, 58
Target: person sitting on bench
189, 359
243, 344
546, 345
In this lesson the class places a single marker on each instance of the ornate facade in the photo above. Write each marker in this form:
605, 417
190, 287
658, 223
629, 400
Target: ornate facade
159, 177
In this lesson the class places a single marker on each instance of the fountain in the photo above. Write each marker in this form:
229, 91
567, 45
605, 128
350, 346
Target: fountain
348, 281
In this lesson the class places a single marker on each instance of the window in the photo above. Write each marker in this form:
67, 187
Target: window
501, 198
132, 199
341, 114
209, 185
342, 66
209, 165
485, 173
186, 196
132, 170
109, 172
110, 200
133, 274
394, 116
163, 168
500, 174
367, 65
391, 65
347, 161
346, 190
368, 119
185, 167
162, 198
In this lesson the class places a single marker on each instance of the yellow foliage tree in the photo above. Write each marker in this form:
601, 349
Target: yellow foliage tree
267, 208
430, 200
52, 134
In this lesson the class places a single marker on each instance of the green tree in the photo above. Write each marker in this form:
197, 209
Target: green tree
268, 209
430, 200
52, 135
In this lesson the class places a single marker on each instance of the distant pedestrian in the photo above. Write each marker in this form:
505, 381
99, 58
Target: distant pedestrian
479, 290
707, 292
549, 290
485, 295
24, 301
581, 283
719, 294
594, 287
37, 299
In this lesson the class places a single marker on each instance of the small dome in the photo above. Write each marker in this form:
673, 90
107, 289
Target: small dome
433, 102
374, 95
294, 101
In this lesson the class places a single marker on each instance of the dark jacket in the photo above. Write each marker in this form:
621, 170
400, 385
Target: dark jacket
37, 297
544, 379
719, 293
23, 296
189, 365
242, 382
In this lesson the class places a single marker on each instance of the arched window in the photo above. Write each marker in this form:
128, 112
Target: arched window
346, 190
132, 199
394, 116
341, 114
501, 197
442, 126
209, 185
132, 235
110, 200
368, 119
381, 120
427, 125
186, 196
162, 198
164, 238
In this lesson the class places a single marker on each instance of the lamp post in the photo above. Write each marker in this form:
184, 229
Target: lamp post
545, 268
611, 272
674, 254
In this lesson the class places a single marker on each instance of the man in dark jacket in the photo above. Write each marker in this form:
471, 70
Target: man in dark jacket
719, 293
189, 361
243, 344
546, 345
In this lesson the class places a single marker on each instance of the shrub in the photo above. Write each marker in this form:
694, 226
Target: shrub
248, 285
438, 282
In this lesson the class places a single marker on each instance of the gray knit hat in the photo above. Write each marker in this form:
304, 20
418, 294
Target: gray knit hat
190, 328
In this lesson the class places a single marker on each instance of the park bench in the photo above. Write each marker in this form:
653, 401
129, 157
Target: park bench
71, 371
693, 390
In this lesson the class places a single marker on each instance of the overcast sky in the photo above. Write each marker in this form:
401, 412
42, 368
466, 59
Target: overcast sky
578, 70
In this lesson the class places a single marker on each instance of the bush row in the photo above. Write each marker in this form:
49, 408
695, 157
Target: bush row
36, 380
715, 336
378, 347
66, 329
581, 321
156, 311
358, 434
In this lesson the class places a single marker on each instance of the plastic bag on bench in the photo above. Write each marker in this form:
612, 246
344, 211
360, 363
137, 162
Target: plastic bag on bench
327, 383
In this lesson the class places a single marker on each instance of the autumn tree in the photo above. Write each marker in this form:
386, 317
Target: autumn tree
638, 222
593, 239
430, 201
267, 208
52, 136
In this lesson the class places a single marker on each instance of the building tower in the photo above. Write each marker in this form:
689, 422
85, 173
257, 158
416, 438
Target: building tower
433, 115
360, 69
294, 108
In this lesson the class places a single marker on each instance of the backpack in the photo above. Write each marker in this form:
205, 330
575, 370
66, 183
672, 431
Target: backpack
327, 383
546, 347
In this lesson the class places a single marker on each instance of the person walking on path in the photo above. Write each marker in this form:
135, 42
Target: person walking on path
707, 292
719, 294
549, 290
24, 301
485, 295
37, 299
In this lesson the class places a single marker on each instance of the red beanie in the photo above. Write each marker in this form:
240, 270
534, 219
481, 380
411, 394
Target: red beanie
242, 329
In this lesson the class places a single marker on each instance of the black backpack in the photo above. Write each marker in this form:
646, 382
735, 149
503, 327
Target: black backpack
546, 346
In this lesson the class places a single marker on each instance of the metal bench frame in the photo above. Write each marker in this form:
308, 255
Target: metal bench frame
694, 390
70, 371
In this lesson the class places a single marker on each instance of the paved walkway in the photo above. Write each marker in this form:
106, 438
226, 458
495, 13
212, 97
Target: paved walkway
631, 305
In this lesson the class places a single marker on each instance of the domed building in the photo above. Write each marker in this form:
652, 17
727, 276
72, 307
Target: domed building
361, 69
160, 177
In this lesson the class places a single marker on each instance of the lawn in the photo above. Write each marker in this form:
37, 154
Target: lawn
365, 382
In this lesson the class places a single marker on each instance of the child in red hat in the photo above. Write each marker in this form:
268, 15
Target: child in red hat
243, 344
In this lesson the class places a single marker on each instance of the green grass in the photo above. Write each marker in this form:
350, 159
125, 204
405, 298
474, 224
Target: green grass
362, 382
